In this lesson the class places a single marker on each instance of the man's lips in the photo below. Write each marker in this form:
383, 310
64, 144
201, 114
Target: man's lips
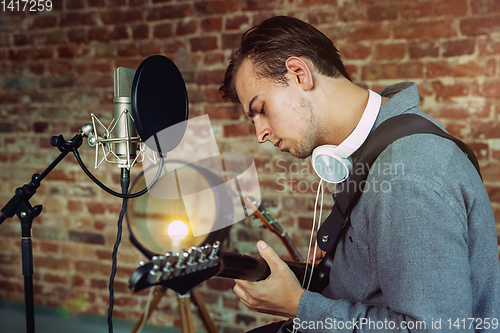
279, 144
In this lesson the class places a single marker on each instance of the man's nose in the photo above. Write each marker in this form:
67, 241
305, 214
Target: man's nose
262, 130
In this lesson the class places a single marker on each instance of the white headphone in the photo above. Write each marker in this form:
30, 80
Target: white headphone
332, 163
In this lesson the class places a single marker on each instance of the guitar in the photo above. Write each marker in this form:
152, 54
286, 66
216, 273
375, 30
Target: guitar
273, 225
183, 271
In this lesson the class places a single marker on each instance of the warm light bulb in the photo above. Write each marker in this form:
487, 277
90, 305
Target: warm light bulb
177, 230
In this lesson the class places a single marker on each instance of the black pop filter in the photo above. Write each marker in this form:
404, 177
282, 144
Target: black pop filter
159, 101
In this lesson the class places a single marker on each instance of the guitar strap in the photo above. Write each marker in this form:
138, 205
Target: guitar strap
347, 197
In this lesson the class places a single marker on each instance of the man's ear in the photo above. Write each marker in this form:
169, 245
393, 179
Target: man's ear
299, 71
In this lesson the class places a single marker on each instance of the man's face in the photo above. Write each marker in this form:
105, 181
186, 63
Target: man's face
282, 114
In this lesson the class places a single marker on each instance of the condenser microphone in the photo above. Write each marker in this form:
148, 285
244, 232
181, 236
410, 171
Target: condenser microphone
124, 131
147, 101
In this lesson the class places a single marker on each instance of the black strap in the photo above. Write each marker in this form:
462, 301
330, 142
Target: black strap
389, 131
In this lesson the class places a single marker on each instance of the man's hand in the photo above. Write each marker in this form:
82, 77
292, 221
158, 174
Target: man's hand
279, 294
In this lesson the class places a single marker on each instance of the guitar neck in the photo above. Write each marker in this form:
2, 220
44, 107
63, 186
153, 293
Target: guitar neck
243, 267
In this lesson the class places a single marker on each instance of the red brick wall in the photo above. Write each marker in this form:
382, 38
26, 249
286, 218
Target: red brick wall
56, 67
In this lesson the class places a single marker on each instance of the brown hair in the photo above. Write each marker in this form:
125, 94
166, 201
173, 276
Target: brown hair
272, 42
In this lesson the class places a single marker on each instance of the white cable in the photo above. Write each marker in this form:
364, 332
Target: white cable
319, 225
320, 186
146, 311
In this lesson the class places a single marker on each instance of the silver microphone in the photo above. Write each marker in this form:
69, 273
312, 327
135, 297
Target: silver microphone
119, 142
124, 127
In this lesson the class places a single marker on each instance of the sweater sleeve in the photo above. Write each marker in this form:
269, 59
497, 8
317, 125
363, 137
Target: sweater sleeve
418, 249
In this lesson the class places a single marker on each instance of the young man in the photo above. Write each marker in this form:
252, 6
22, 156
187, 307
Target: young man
421, 252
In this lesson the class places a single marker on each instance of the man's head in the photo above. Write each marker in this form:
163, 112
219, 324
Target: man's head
275, 40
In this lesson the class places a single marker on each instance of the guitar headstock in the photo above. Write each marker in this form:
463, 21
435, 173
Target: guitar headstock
178, 271
264, 216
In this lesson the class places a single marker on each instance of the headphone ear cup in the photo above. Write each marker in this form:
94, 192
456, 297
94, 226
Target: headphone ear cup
330, 167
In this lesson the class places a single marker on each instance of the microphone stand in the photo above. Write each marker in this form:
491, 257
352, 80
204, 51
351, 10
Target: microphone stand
20, 206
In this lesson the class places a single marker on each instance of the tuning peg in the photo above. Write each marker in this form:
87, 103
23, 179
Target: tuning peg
156, 272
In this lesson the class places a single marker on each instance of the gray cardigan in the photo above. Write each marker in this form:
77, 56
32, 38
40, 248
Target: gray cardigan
421, 251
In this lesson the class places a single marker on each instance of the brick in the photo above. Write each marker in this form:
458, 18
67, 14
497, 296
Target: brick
85, 237
458, 47
480, 25
126, 50
140, 31
235, 130
486, 130
452, 90
6, 127
423, 49
76, 19
169, 12
186, 28
19, 83
415, 10
230, 41
439, 69
488, 46
390, 51
96, 208
139, 3
117, 3
210, 77
212, 24
213, 58
98, 283
433, 29
20, 40
355, 51
91, 267
74, 4
163, 30
121, 17
450, 8
383, 12
174, 46
119, 32
490, 88
66, 52
37, 68
97, 34
352, 13
231, 111
485, 6
148, 48
209, 7
57, 82
393, 71
43, 22
96, 3
207, 43
236, 22
52, 263
76, 35
52, 278
368, 32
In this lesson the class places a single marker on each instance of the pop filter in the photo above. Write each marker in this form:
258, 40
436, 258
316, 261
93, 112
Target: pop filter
159, 101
